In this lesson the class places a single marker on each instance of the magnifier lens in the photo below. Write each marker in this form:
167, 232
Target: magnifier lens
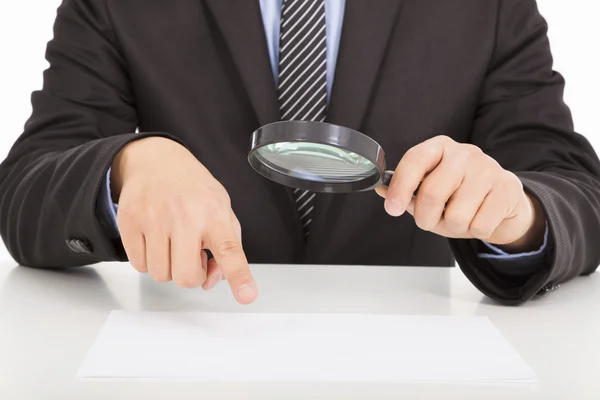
316, 162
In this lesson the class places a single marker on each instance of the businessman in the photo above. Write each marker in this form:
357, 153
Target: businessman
137, 146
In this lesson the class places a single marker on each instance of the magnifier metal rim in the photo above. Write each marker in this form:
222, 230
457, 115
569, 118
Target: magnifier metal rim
321, 133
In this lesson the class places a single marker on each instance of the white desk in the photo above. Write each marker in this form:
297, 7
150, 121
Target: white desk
49, 319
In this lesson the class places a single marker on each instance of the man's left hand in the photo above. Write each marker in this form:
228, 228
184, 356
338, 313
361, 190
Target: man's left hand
464, 193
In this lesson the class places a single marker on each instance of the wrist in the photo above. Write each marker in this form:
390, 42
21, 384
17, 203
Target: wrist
533, 238
130, 158
116, 180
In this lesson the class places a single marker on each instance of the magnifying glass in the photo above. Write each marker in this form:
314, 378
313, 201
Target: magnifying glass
319, 157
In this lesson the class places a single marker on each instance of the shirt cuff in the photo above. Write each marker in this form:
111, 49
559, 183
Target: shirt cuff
108, 209
500, 254
517, 264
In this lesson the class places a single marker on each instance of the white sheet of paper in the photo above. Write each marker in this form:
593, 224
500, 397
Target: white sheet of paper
302, 347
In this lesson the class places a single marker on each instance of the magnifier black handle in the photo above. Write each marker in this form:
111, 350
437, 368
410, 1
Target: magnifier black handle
387, 178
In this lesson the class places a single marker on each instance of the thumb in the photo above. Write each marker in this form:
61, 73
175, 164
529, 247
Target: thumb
381, 191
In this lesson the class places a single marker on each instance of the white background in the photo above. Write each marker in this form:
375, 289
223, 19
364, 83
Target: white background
26, 27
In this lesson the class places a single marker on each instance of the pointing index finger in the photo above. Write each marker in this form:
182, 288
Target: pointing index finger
223, 242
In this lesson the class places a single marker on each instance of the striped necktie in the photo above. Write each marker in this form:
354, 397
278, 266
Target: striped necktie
302, 87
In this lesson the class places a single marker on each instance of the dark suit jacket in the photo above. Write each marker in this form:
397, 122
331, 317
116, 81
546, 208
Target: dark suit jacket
199, 72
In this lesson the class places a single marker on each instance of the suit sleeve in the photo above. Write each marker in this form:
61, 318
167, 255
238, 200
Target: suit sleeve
82, 117
523, 123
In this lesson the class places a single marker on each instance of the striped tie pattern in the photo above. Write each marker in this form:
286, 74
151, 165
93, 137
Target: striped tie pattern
302, 87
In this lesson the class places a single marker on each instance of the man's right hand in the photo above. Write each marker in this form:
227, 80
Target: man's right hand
170, 209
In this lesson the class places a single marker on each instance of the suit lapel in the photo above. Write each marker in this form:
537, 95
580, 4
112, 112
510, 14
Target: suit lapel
241, 25
365, 35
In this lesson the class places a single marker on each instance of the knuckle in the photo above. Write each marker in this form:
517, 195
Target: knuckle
512, 181
413, 151
429, 194
457, 220
229, 248
471, 149
467, 153
178, 208
489, 176
217, 206
493, 163
423, 224
412, 157
212, 202
188, 281
225, 199
152, 214
501, 184
425, 219
481, 230
443, 139
219, 195
435, 149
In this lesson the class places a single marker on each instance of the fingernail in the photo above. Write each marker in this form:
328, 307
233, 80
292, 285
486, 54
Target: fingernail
246, 293
394, 207
213, 281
